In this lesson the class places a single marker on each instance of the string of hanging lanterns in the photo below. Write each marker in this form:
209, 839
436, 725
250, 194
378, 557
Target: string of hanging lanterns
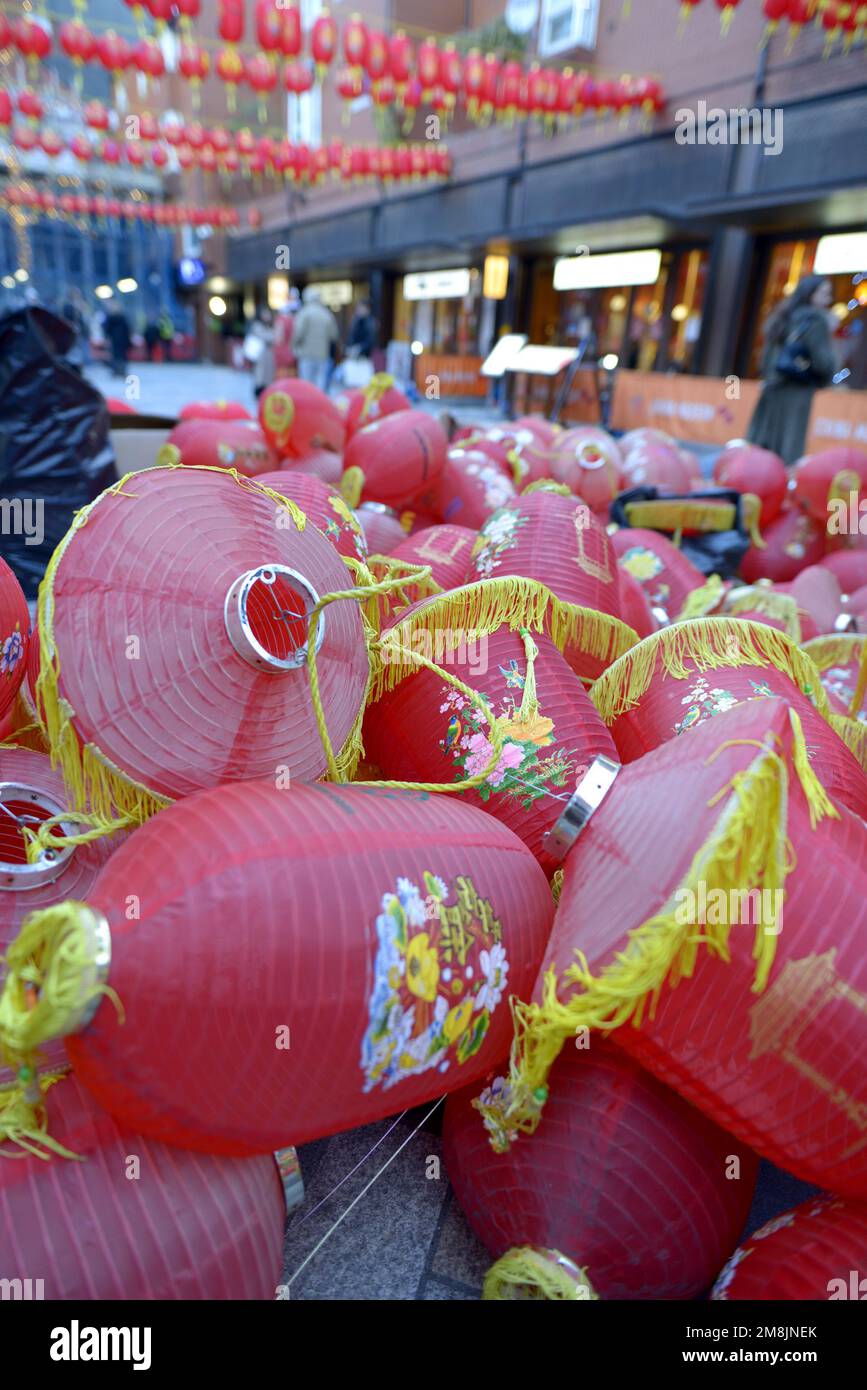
844, 20
47, 203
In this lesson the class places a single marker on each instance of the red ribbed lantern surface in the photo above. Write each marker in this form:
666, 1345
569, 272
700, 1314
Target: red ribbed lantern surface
792, 541
817, 1251
303, 960
589, 463
381, 525
14, 636
747, 468
180, 628
472, 486
424, 730
622, 1177
219, 443
635, 606
362, 405
324, 506
174, 1226
725, 946
401, 456
214, 410
832, 473
665, 574
297, 417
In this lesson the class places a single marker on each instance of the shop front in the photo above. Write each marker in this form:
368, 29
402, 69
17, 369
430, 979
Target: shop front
448, 323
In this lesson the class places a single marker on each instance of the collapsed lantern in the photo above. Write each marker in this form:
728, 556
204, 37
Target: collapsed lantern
177, 643
725, 953
610, 1130
416, 915
817, 1252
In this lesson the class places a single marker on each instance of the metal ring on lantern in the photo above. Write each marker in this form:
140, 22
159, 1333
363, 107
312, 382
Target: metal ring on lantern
238, 626
588, 796
52, 859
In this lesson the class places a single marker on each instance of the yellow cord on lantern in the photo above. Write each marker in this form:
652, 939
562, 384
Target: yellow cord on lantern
527, 1273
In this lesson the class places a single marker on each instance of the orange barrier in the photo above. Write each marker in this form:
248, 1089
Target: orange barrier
837, 418
455, 376
703, 409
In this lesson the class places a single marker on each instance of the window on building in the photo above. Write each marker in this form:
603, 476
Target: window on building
568, 24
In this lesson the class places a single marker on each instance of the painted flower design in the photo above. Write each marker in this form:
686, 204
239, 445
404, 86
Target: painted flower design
495, 969
499, 534
434, 989
11, 651
704, 701
641, 562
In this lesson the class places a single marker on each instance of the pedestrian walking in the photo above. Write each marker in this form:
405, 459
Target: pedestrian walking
259, 350
312, 340
117, 331
797, 359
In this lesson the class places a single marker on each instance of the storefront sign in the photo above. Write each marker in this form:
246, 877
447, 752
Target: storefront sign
609, 271
334, 293
437, 284
704, 409
452, 376
837, 418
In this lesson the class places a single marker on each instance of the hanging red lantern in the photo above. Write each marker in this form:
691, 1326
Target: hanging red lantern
400, 61
115, 55
187, 158
323, 43
6, 109
728, 8
686, 9
231, 69
231, 21
148, 129
194, 63
428, 66
33, 41
411, 102
159, 156
208, 160
610, 1129
14, 636
800, 12
474, 84
832, 21
451, 75
79, 44
775, 11
161, 11
25, 138
399, 458
355, 41
350, 85
291, 37
297, 417
188, 11
136, 154
775, 999
62, 1216
384, 94
375, 60
173, 132
219, 139
195, 135
139, 10
297, 78
509, 91
262, 77
243, 656
817, 1252
82, 148
231, 162
269, 25
439, 927
51, 143
30, 105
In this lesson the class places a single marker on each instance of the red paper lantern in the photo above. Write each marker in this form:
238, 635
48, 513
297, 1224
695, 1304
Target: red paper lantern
194, 63
30, 105
356, 37
817, 1252
25, 138
692, 673
232, 70
728, 8
472, 487
297, 417
589, 463
671, 953
362, 405
418, 728
169, 723
849, 567
666, 575
554, 541
231, 21
51, 143
791, 542
96, 115
187, 9
262, 77
14, 636
400, 456
192, 1226
223, 441
79, 44
6, 111
445, 913
821, 478
375, 60
800, 13
269, 25
747, 468
291, 38
323, 42
319, 463
161, 10
159, 157
349, 84
610, 1129
446, 549
381, 525
114, 53
401, 58
325, 508
33, 41
297, 77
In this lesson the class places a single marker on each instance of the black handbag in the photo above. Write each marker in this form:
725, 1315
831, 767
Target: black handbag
794, 362
710, 527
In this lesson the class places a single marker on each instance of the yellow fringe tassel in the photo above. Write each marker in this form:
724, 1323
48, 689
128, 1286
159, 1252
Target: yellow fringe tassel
24, 1120
351, 485
547, 485
527, 1273
759, 599
664, 514
702, 600
853, 732
747, 849
820, 804
708, 644
842, 650
479, 609
557, 884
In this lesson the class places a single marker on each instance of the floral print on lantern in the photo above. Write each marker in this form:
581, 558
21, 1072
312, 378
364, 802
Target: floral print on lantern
499, 534
441, 970
11, 651
644, 565
523, 771
703, 702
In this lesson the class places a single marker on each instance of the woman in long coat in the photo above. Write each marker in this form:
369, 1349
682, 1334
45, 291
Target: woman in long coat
801, 326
